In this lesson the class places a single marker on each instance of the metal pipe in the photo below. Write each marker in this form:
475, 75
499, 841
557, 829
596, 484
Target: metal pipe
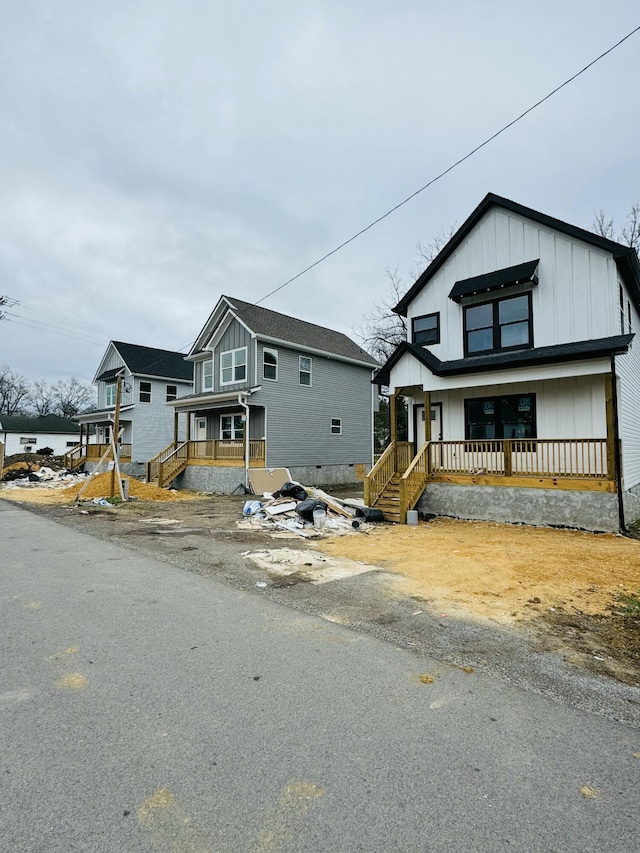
616, 448
246, 439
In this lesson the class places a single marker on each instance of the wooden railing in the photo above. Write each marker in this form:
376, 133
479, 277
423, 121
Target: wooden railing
380, 475
153, 465
91, 453
173, 464
170, 461
404, 455
532, 457
414, 481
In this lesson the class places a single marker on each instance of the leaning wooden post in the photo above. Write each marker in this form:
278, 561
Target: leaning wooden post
114, 436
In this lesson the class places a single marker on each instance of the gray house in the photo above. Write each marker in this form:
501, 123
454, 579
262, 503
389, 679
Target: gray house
151, 378
271, 391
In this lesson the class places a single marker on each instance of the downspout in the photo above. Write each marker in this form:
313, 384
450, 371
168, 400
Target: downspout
246, 439
616, 448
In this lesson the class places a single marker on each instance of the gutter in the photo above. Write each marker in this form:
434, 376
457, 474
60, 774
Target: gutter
241, 400
616, 448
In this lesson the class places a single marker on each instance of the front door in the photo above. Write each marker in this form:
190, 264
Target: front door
436, 424
201, 429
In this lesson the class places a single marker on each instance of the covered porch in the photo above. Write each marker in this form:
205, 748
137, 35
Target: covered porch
497, 437
95, 438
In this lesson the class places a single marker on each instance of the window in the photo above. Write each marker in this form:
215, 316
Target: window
28, 441
231, 427
336, 426
501, 417
145, 392
270, 364
305, 370
426, 330
233, 366
71, 443
172, 392
500, 325
207, 375
110, 394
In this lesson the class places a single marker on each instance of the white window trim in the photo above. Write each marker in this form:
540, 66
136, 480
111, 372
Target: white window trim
233, 429
233, 352
111, 387
310, 371
172, 396
338, 424
207, 386
141, 392
272, 352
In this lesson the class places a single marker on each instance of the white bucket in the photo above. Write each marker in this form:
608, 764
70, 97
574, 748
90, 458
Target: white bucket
319, 518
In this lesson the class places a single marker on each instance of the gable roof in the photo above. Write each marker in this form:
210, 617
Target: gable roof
578, 351
273, 326
149, 361
626, 259
44, 423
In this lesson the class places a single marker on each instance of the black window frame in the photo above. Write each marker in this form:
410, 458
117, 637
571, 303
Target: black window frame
498, 400
416, 333
146, 392
497, 326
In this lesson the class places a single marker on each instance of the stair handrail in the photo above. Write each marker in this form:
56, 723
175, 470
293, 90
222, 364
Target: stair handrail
181, 452
74, 456
380, 475
414, 481
152, 464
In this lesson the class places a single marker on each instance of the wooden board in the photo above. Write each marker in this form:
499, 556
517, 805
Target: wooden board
268, 479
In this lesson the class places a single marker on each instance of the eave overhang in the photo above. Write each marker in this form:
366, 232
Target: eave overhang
526, 273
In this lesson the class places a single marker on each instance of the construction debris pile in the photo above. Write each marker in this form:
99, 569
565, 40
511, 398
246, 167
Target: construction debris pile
23, 475
308, 512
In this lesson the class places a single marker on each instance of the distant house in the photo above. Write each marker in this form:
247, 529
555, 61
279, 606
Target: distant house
29, 435
151, 378
521, 375
270, 390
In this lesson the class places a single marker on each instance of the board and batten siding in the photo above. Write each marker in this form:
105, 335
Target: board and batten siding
628, 370
298, 417
235, 336
112, 361
565, 408
575, 298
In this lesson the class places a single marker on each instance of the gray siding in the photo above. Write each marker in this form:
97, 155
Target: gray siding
152, 423
298, 417
235, 337
628, 369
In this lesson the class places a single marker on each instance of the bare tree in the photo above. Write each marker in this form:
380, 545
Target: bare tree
382, 331
41, 399
629, 234
71, 397
14, 392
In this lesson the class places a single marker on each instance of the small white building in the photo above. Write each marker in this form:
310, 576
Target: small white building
521, 375
21, 434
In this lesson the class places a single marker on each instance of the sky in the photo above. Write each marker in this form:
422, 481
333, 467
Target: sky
155, 154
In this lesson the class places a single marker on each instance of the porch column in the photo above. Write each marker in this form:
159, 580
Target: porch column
611, 431
393, 428
188, 426
175, 428
427, 416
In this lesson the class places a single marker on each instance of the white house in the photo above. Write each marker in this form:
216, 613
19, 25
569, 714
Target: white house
21, 434
520, 349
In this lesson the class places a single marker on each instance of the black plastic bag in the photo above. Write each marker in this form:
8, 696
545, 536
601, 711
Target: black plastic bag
305, 508
291, 490
369, 514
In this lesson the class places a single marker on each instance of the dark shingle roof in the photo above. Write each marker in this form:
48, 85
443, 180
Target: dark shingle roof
46, 423
494, 280
578, 351
149, 361
271, 324
625, 258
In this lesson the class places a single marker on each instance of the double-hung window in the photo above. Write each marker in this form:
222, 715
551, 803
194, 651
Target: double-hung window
207, 375
503, 324
270, 364
336, 426
233, 366
305, 370
231, 427
426, 330
110, 394
144, 393
172, 392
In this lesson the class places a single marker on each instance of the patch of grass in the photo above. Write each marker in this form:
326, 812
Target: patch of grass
627, 604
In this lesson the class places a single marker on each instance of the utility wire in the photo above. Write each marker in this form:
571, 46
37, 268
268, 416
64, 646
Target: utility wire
449, 168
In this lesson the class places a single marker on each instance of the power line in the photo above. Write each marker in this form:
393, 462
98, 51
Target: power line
449, 168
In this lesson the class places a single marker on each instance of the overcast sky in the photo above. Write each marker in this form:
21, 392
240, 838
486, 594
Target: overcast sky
156, 154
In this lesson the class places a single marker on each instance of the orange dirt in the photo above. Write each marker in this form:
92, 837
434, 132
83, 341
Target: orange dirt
98, 487
500, 571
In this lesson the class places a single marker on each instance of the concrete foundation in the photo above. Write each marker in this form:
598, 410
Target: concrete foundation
224, 481
131, 469
583, 510
631, 501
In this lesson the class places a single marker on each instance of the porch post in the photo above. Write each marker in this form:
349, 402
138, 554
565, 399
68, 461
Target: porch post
175, 429
393, 428
427, 416
611, 432
188, 426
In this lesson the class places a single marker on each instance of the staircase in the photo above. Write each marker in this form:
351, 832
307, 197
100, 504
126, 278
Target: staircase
389, 500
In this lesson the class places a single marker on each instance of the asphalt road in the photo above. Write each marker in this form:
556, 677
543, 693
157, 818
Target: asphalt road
144, 708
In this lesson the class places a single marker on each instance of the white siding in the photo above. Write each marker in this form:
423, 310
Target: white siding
58, 441
628, 369
575, 299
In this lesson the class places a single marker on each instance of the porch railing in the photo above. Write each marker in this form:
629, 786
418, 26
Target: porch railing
74, 457
169, 462
531, 457
380, 475
414, 481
